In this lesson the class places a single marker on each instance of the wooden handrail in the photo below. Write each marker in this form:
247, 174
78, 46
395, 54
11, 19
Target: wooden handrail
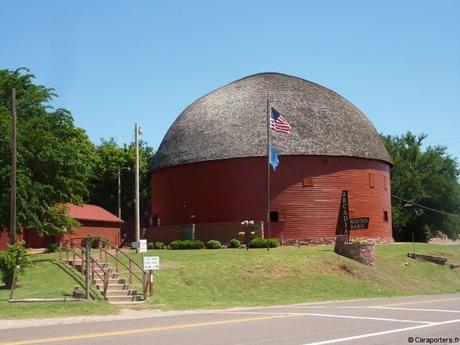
144, 278
93, 262
122, 263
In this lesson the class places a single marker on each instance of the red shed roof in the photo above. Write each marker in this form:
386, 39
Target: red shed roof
92, 212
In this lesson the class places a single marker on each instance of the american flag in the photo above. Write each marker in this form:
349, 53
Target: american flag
278, 123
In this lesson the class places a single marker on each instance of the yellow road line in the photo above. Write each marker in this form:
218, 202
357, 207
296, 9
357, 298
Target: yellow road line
418, 302
141, 330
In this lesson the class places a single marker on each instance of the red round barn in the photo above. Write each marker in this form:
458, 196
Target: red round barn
211, 167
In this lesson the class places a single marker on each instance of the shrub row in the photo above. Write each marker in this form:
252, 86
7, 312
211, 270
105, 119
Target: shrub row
187, 244
156, 245
257, 242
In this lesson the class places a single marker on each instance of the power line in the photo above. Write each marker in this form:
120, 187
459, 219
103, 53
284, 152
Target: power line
426, 207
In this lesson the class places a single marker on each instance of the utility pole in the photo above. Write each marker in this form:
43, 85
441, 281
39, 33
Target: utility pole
138, 132
119, 194
13, 168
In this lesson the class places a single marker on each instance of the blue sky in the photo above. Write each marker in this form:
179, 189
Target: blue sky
117, 62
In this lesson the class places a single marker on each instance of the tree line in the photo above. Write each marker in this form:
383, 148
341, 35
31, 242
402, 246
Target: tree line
425, 189
58, 164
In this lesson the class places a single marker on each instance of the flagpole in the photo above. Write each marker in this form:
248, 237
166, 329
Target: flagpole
268, 174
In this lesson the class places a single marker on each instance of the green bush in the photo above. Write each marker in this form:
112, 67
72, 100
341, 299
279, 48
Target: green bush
150, 245
187, 244
213, 244
177, 244
234, 243
159, 245
259, 242
16, 254
52, 248
274, 242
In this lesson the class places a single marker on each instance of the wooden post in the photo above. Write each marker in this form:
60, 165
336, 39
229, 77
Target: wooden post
144, 285
88, 268
151, 282
130, 274
13, 168
116, 260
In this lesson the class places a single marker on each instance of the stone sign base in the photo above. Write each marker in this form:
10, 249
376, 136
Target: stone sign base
361, 252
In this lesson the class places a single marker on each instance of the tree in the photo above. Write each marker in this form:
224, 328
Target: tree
104, 185
427, 177
15, 259
55, 159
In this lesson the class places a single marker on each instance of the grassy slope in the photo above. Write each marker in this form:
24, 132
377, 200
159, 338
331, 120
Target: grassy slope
227, 278
236, 277
46, 280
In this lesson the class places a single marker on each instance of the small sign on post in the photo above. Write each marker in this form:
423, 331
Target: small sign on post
142, 246
151, 263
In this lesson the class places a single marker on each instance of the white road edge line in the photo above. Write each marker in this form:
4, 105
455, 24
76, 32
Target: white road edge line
322, 307
338, 316
368, 335
418, 309
379, 307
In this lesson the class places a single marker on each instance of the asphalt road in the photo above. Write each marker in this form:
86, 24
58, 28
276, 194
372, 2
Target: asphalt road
404, 320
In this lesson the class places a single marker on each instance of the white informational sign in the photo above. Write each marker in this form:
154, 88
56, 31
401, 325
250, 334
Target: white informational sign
151, 263
142, 246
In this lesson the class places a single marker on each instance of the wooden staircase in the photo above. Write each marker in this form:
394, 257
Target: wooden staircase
118, 290
115, 288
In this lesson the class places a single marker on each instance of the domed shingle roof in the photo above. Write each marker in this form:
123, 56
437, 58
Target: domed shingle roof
230, 122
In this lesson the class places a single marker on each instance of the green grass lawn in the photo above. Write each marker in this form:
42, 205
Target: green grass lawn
45, 279
236, 277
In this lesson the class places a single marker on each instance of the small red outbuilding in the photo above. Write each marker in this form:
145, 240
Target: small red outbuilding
94, 220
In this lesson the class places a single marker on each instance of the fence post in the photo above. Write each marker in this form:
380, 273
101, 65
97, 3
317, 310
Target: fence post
130, 269
144, 285
100, 249
106, 283
151, 282
116, 260
88, 268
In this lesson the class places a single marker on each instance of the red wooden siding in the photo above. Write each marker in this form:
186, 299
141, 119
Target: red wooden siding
223, 232
110, 231
235, 189
5, 238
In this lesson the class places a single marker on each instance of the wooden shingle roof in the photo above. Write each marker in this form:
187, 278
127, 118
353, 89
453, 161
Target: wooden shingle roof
230, 122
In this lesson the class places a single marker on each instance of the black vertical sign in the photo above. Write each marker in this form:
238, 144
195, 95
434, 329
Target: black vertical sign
343, 224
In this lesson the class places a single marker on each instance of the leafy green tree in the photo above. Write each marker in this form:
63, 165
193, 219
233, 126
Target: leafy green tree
55, 159
15, 258
110, 159
427, 177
